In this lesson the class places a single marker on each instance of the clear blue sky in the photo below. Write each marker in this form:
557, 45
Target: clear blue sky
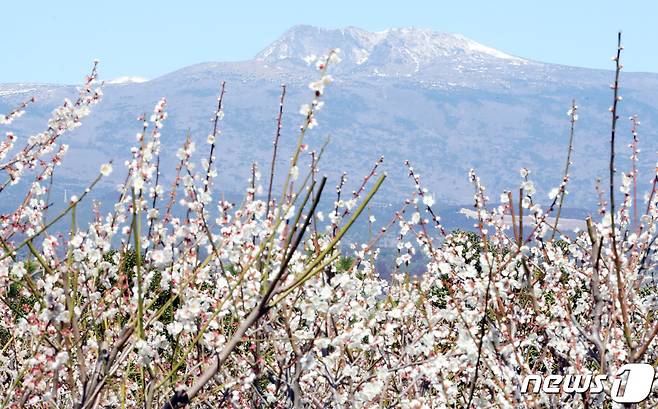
55, 41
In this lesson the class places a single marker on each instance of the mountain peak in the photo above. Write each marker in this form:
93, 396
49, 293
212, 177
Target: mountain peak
409, 47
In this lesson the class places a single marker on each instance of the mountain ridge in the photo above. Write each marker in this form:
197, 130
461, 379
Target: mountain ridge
460, 111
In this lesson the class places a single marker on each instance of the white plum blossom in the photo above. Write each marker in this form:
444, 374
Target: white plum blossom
528, 188
428, 200
106, 169
553, 193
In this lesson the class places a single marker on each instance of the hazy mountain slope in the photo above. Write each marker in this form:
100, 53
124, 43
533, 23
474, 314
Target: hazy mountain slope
443, 101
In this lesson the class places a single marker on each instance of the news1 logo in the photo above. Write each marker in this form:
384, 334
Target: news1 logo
636, 387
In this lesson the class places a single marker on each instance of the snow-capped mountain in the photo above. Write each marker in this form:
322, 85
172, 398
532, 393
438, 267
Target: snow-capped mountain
443, 101
398, 51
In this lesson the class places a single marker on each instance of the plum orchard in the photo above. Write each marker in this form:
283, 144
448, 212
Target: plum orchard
176, 298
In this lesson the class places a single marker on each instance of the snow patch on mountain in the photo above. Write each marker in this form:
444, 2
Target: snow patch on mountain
409, 49
8, 92
127, 80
